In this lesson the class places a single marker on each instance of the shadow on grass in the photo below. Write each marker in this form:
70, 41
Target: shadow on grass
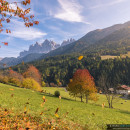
125, 112
51, 95
119, 110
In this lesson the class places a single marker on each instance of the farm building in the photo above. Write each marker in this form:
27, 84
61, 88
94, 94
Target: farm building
123, 90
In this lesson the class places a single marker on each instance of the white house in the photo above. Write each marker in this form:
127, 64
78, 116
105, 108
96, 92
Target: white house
123, 90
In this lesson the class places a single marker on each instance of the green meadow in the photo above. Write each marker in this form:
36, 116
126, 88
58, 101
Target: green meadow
113, 57
91, 114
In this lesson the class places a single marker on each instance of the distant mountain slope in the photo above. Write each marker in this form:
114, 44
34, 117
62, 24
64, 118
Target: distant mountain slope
35, 52
94, 37
6, 60
1, 65
116, 43
98, 34
114, 40
15, 61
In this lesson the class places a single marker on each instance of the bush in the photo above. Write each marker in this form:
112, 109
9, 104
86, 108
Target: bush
31, 84
4, 79
15, 82
57, 93
43, 84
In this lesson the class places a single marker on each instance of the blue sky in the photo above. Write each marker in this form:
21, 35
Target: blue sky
62, 19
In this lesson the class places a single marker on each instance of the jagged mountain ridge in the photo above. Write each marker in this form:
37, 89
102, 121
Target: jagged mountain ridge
45, 47
66, 42
35, 52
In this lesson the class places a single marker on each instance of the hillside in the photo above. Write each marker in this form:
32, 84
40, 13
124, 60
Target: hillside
98, 40
114, 44
15, 61
91, 114
34, 53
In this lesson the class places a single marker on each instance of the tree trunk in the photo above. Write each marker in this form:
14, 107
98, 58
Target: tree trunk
111, 104
81, 99
86, 99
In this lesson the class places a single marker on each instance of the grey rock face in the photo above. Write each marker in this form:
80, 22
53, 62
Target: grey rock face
66, 42
45, 47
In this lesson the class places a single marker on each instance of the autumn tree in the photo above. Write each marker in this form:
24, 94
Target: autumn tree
11, 76
15, 77
7, 11
14, 74
73, 90
30, 83
33, 72
82, 84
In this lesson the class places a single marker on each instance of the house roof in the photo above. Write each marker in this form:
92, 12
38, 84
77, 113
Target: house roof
124, 87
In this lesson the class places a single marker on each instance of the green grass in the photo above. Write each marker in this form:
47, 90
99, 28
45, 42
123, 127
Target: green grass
92, 114
108, 57
104, 57
101, 99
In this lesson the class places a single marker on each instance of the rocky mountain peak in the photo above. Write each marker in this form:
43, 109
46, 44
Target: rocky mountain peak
66, 42
44, 47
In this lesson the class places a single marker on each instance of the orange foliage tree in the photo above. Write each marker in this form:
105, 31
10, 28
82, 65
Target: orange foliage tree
15, 78
33, 72
82, 84
10, 76
7, 12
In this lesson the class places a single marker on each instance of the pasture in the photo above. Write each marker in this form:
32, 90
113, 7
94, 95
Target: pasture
92, 114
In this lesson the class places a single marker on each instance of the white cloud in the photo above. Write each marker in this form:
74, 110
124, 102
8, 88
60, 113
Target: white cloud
70, 11
18, 30
61, 32
107, 4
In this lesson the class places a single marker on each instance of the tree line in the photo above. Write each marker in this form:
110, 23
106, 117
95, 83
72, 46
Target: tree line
30, 79
59, 70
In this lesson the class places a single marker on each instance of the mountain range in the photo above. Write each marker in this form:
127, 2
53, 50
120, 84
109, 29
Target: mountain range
114, 40
35, 51
45, 47
113, 37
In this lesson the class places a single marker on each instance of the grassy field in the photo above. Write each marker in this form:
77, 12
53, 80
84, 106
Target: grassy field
92, 113
112, 57
117, 104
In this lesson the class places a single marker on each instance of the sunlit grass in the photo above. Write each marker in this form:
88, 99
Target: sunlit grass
118, 103
91, 114
104, 57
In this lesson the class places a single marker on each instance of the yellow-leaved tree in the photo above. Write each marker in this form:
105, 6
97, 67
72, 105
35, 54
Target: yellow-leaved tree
31, 84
